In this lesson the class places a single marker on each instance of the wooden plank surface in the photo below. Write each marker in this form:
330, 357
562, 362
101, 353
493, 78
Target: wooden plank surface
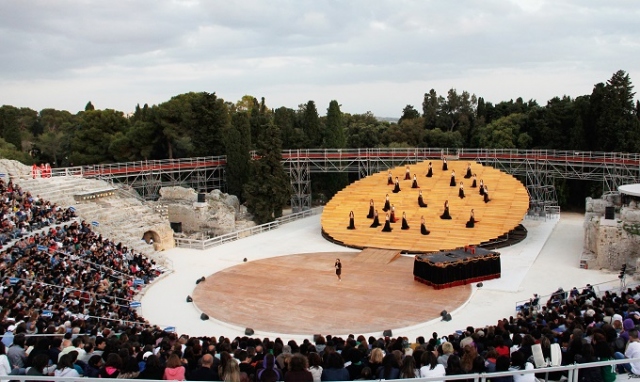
508, 205
300, 294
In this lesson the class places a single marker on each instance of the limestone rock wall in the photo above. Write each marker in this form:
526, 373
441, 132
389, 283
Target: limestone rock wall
219, 214
610, 243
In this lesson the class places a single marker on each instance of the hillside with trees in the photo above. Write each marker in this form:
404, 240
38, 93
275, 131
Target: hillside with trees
201, 124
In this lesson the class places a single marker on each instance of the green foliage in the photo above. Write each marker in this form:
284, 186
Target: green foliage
269, 188
334, 130
93, 135
409, 112
210, 119
237, 144
311, 124
89, 106
9, 151
504, 133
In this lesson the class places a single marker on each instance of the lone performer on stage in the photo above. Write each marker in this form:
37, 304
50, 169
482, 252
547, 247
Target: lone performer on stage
338, 266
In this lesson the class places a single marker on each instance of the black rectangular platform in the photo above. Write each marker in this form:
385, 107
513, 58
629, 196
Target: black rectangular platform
447, 269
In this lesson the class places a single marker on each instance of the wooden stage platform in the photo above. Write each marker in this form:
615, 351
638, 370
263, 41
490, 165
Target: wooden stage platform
301, 294
508, 206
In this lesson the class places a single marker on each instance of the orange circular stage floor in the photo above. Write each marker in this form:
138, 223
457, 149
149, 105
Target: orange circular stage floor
508, 204
301, 294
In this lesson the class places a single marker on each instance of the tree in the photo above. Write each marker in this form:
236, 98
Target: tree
91, 141
504, 133
292, 136
430, 107
334, 130
51, 144
311, 125
9, 126
210, 119
409, 112
89, 106
269, 188
237, 140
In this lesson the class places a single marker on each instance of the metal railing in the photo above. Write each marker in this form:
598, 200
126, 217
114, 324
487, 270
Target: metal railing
574, 157
572, 374
233, 236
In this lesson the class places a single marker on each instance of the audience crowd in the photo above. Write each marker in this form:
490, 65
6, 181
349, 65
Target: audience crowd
75, 286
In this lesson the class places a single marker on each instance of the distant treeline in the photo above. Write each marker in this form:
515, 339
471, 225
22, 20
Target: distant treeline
201, 124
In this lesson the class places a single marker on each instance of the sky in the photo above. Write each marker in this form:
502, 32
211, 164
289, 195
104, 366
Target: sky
370, 55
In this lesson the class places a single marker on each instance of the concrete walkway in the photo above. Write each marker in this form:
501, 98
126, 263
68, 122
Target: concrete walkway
547, 259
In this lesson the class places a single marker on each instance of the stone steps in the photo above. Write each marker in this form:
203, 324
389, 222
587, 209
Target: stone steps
121, 217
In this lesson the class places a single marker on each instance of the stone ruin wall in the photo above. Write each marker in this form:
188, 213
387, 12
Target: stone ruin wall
608, 244
218, 215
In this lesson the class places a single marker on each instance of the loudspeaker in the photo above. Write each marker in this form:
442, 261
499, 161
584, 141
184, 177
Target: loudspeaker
189, 299
315, 337
479, 285
248, 332
201, 196
443, 313
201, 279
176, 226
609, 213
446, 317
387, 333
204, 317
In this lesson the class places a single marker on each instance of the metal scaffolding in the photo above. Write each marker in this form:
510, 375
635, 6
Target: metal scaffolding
537, 169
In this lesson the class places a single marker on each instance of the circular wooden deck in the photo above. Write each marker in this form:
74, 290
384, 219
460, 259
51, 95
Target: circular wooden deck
508, 205
300, 294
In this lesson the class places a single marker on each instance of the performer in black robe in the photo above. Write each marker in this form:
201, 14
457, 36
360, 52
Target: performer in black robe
421, 202
387, 204
453, 179
430, 172
472, 221
444, 164
486, 194
474, 184
405, 224
396, 189
352, 224
407, 174
415, 182
370, 215
461, 191
393, 217
338, 266
376, 221
445, 215
387, 225
389, 179
468, 174
423, 226
481, 187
